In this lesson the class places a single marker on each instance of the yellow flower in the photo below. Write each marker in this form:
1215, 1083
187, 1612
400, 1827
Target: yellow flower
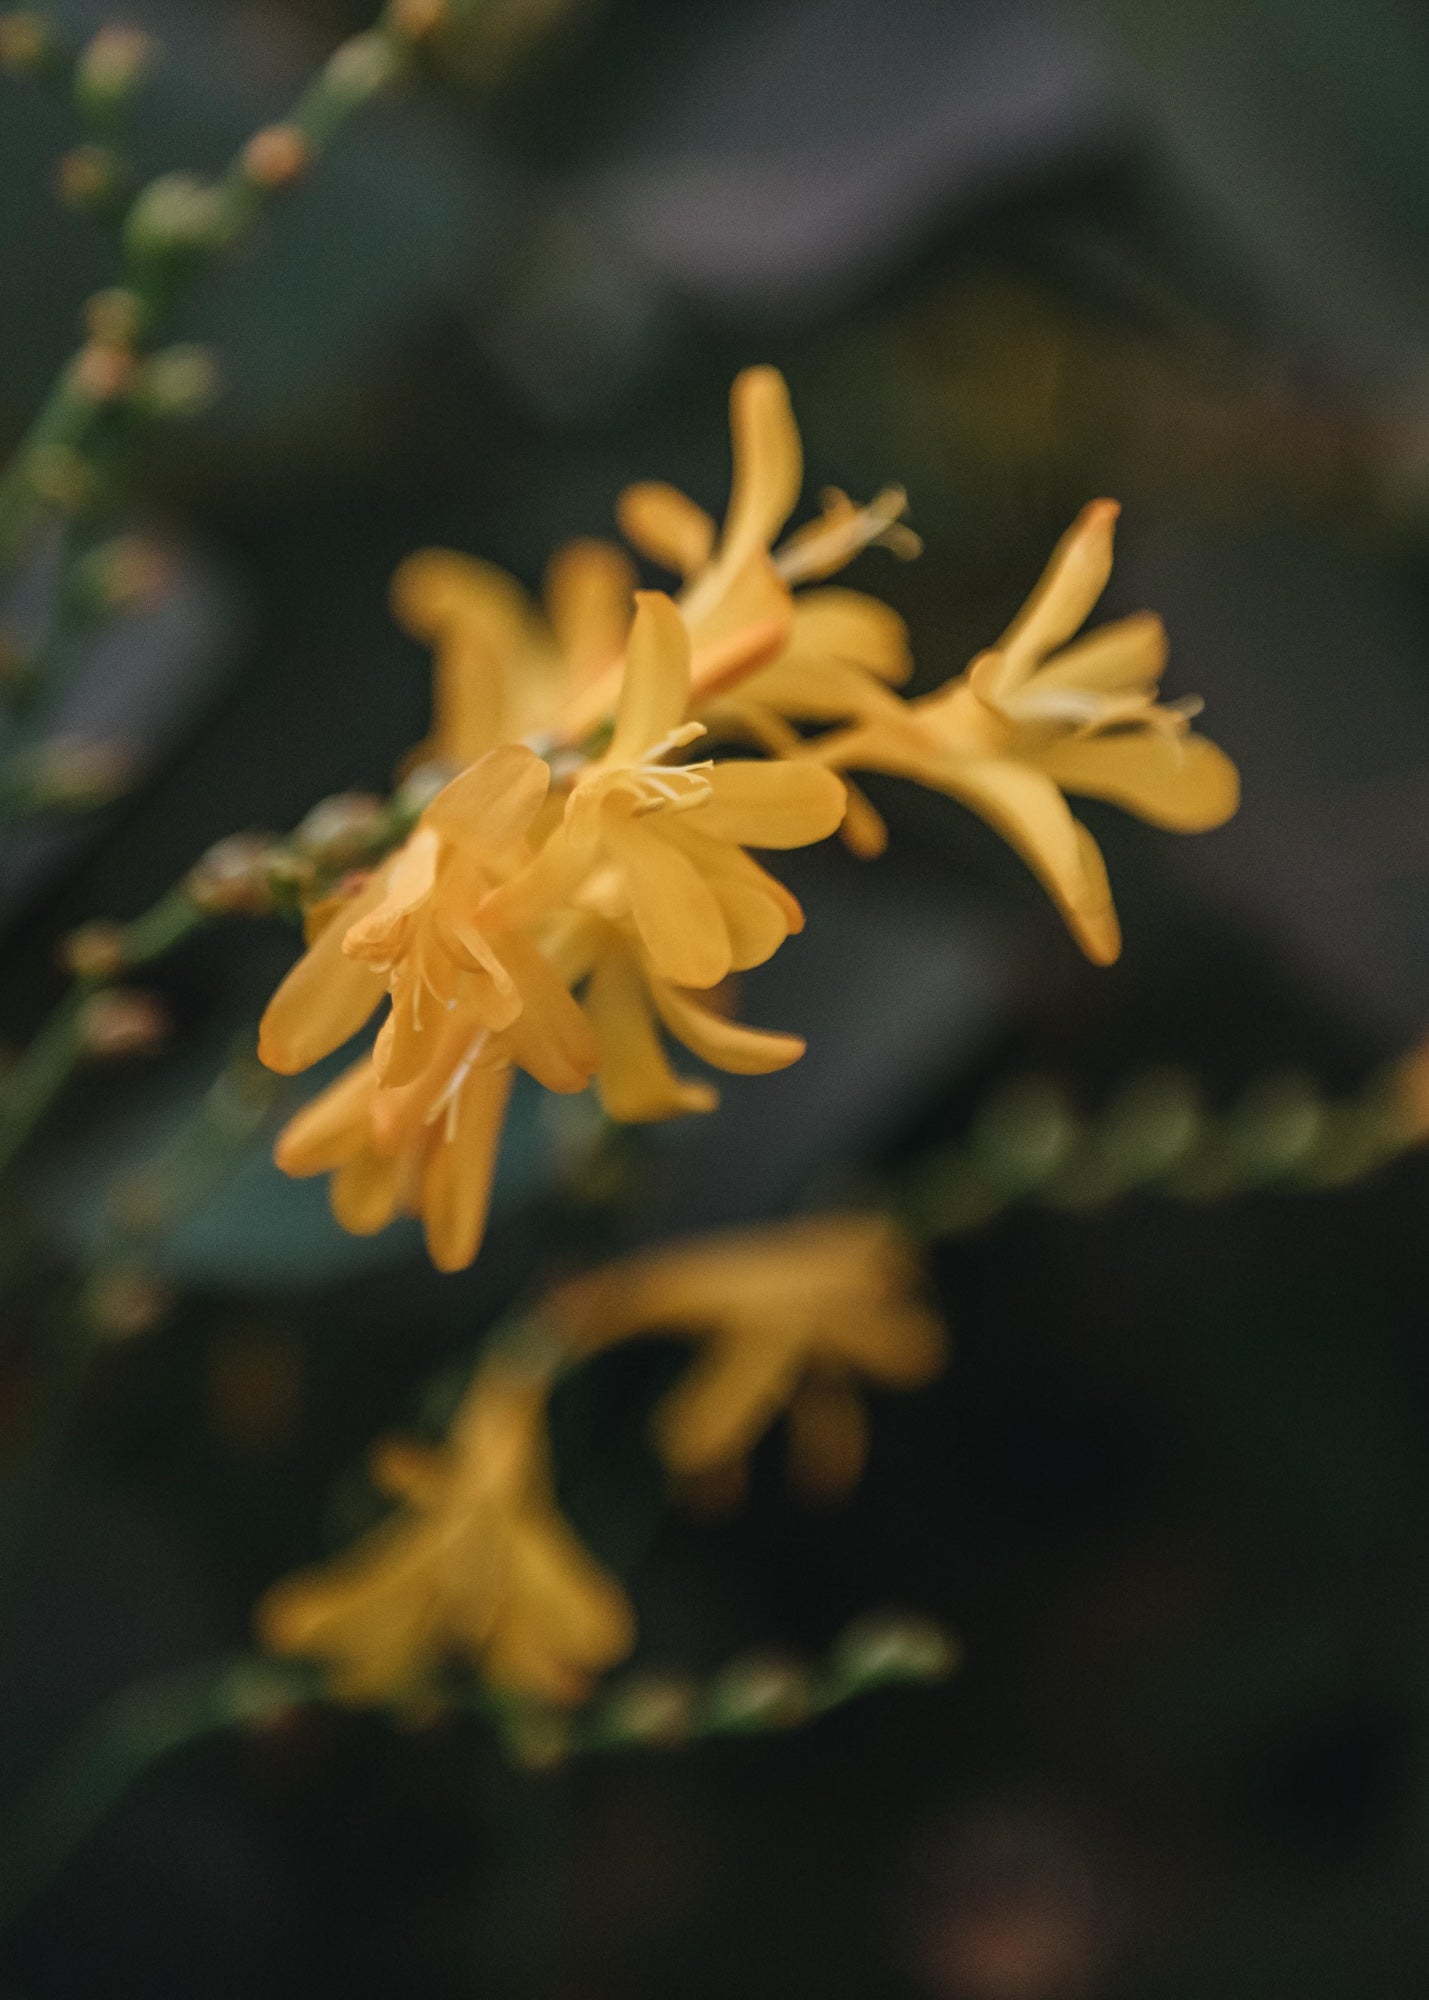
504, 669
1038, 716
478, 1565
662, 844
790, 1315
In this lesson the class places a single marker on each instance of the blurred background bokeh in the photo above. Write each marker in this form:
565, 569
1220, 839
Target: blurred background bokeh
1173, 1492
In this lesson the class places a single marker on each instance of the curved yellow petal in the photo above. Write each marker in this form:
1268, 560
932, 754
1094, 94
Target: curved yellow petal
456, 1182
771, 805
437, 591
330, 1127
1128, 653
838, 624
366, 1192
655, 690
666, 526
325, 998
635, 1082
468, 698
768, 461
490, 806
1066, 591
1185, 783
673, 908
590, 600
725, 1402
724, 1044
1026, 808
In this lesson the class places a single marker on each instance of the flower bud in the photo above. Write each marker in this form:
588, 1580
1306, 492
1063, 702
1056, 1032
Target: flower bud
762, 1691
61, 478
362, 66
176, 216
231, 880
178, 381
127, 574
95, 951
276, 157
110, 67
341, 830
123, 1301
103, 370
122, 1022
414, 20
28, 44
650, 1709
112, 318
887, 1646
91, 178
68, 774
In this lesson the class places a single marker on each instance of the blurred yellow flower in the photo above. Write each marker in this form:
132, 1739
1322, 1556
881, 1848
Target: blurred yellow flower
478, 1565
790, 1317
1038, 716
504, 669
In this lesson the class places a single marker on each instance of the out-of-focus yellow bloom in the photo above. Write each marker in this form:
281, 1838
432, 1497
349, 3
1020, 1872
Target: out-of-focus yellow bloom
1038, 716
504, 669
790, 1317
478, 1565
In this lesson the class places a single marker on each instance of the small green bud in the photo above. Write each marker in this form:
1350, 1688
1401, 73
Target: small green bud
762, 1691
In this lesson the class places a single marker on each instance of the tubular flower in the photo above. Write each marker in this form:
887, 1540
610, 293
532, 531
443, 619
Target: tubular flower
790, 1317
505, 669
1038, 716
478, 1566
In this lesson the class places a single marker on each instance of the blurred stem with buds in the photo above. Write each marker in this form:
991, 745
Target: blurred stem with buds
73, 462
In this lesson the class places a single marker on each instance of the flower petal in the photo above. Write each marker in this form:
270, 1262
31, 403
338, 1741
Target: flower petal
325, 998
491, 805
366, 1192
330, 1127
456, 1182
438, 591
1129, 653
724, 1044
1063, 597
771, 805
1185, 783
673, 907
1026, 808
848, 625
768, 461
590, 590
655, 690
726, 1401
665, 526
635, 1081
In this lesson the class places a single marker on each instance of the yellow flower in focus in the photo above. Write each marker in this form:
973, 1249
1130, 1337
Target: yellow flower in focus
506, 670
662, 844
1044, 713
479, 1565
790, 1317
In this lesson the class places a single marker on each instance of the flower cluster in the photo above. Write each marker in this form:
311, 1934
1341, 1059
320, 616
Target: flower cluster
583, 883
478, 1566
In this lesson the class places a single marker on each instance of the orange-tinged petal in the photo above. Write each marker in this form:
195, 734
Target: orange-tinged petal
771, 805
664, 525
325, 998
330, 1128
1184, 783
456, 1182
724, 1044
1066, 591
656, 688
635, 1081
674, 909
468, 698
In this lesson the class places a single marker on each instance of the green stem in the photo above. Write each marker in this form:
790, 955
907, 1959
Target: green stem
32, 1084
